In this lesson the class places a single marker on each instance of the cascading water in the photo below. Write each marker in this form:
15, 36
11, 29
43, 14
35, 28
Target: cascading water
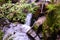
18, 31
28, 19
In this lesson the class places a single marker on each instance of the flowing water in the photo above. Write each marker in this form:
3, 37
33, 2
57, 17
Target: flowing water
28, 19
17, 31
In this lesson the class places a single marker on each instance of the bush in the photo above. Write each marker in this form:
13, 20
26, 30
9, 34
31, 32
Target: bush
16, 12
52, 23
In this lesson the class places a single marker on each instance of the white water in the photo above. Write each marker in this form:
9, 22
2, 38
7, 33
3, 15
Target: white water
18, 31
28, 18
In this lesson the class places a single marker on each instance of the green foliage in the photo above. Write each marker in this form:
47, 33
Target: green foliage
52, 1
16, 11
1, 0
52, 23
51, 7
1, 35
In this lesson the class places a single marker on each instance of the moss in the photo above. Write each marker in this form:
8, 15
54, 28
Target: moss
1, 35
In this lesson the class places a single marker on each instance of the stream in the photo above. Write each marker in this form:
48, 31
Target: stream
18, 31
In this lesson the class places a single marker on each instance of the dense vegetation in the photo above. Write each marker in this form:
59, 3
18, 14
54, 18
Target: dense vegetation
17, 12
52, 23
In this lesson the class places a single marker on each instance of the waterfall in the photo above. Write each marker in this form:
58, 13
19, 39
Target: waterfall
42, 9
18, 31
28, 19
8, 31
